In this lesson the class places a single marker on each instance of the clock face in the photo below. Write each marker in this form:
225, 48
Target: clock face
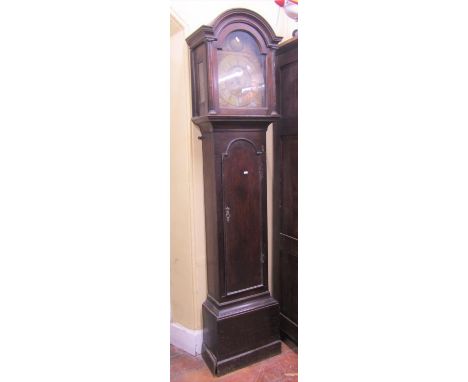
241, 81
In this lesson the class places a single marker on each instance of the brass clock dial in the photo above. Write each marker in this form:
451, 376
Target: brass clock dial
240, 73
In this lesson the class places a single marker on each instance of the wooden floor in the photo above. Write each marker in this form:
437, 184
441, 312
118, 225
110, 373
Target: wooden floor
280, 368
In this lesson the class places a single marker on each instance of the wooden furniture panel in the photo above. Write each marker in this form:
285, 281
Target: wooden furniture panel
285, 190
242, 187
288, 185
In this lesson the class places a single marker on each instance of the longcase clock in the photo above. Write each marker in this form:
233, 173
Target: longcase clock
233, 102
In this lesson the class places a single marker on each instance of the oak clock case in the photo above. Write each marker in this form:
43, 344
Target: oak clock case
233, 102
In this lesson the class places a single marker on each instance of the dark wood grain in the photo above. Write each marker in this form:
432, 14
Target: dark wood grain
241, 334
288, 185
235, 248
285, 191
240, 318
241, 168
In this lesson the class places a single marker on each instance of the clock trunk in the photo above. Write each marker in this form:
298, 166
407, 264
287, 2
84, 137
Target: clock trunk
241, 319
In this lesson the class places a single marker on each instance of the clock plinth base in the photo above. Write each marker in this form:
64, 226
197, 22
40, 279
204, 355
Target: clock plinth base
222, 367
240, 334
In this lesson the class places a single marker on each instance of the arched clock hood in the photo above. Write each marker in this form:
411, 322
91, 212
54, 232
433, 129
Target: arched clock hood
207, 44
234, 16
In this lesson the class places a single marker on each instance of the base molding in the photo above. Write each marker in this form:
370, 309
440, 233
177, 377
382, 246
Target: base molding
240, 360
186, 339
